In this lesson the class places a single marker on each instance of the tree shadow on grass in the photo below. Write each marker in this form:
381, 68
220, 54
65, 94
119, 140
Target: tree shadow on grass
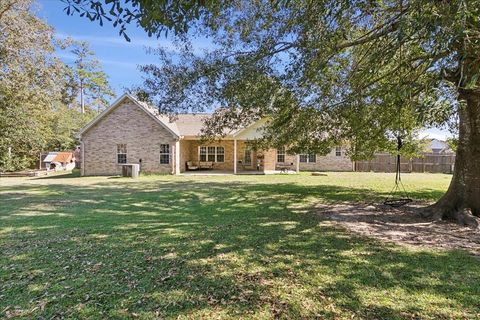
203, 249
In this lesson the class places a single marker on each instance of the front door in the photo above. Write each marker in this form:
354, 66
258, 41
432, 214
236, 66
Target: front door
247, 158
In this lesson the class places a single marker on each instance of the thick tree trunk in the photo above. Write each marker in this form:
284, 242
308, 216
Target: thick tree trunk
461, 203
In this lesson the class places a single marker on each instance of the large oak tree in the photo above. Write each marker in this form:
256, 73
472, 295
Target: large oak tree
324, 71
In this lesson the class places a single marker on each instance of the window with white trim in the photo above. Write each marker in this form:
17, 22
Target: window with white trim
121, 153
211, 154
164, 154
203, 154
281, 155
247, 158
220, 154
338, 151
308, 158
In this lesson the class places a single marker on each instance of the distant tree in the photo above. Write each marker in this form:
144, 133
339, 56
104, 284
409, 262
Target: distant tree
452, 143
325, 72
64, 126
87, 81
31, 78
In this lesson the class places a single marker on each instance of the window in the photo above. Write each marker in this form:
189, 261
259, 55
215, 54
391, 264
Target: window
203, 154
121, 153
338, 151
220, 154
211, 154
281, 155
247, 158
164, 154
308, 158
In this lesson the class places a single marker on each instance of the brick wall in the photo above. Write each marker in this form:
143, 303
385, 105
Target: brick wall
130, 125
191, 152
290, 160
184, 154
329, 162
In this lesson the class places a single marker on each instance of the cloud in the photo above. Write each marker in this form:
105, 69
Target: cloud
109, 41
68, 57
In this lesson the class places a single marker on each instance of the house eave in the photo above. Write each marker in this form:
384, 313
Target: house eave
116, 104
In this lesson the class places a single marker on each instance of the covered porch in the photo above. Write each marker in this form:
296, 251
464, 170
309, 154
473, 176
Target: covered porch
231, 156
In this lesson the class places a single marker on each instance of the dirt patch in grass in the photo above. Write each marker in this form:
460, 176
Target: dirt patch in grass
401, 225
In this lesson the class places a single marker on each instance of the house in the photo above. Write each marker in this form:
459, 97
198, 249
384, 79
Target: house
59, 161
132, 132
438, 147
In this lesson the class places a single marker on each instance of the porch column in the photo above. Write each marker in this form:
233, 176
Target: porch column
297, 169
177, 157
235, 156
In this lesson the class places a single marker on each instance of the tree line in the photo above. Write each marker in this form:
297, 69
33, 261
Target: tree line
43, 100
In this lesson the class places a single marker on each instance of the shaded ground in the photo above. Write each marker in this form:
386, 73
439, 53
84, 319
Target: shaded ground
401, 225
232, 247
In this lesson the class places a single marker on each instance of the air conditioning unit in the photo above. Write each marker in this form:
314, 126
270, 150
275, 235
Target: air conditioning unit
131, 170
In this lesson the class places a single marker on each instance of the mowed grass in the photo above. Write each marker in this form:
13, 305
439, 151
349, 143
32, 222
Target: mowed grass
217, 247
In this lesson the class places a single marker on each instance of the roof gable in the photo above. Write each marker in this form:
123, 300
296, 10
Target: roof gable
185, 125
253, 131
161, 120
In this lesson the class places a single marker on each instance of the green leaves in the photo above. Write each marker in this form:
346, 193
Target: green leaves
37, 92
348, 71
156, 17
31, 79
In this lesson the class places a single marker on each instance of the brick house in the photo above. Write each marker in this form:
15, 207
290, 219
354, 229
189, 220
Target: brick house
130, 131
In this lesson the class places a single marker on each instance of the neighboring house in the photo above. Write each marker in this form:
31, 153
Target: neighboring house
59, 161
438, 147
130, 131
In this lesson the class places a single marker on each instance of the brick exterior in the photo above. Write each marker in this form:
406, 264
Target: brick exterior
290, 160
189, 152
261, 158
130, 125
329, 162
268, 159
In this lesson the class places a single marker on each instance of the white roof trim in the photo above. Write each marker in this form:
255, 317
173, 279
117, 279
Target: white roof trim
116, 104
239, 132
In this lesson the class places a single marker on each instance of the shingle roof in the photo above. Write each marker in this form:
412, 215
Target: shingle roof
58, 157
186, 124
50, 156
190, 124
63, 157
180, 125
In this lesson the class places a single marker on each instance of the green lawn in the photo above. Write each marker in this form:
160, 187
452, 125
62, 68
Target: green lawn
217, 247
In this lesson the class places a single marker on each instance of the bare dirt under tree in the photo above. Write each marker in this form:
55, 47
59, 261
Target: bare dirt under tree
403, 226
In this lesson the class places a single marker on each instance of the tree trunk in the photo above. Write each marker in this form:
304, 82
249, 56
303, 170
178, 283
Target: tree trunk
82, 102
461, 202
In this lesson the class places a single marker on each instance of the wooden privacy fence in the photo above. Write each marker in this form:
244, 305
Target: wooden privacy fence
429, 162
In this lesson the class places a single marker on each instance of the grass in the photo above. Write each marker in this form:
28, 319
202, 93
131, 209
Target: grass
217, 247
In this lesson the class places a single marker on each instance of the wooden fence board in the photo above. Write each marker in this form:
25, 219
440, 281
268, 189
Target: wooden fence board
429, 162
